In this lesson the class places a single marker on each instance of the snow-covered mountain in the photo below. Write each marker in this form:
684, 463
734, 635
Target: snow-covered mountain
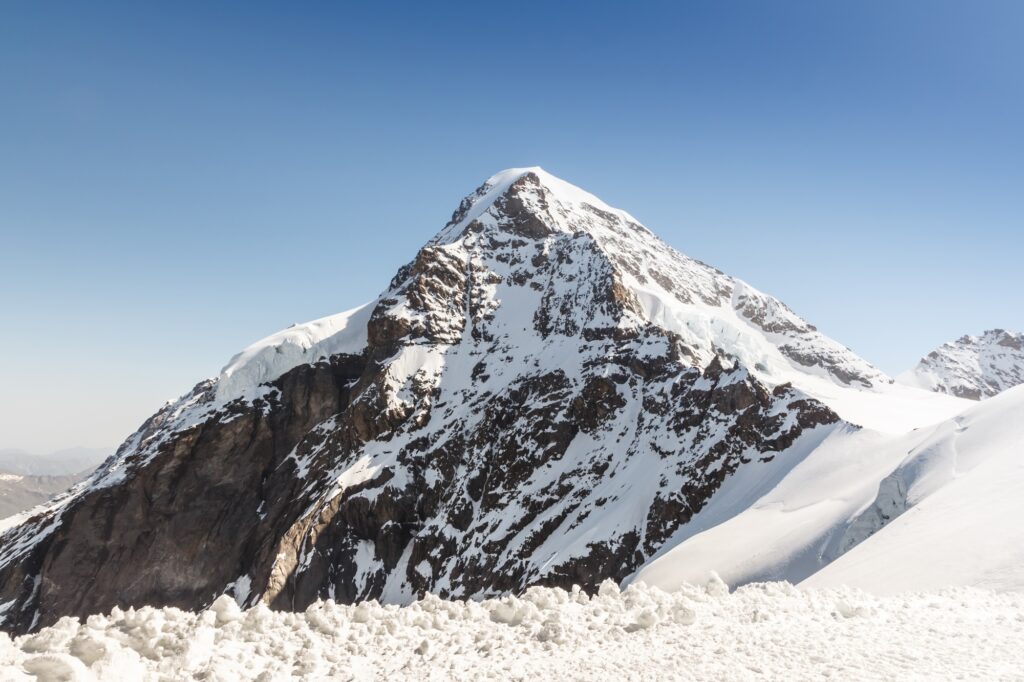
974, 367
546, 394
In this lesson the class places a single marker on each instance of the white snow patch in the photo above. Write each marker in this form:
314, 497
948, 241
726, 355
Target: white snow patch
269, 358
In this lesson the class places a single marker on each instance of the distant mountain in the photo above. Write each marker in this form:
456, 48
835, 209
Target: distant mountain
545, 394
974, 367
60, 463
28, 480
19, 493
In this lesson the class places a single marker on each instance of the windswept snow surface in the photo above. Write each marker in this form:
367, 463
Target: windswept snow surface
761, 631
300, 344
935, 507
964, 521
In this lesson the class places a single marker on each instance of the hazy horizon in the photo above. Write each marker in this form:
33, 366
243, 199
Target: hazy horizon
179, 182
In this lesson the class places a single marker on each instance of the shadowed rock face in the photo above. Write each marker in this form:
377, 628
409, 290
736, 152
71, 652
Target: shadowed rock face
513, 420
192, 519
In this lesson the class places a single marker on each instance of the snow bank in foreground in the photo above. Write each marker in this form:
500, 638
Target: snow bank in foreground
763, 630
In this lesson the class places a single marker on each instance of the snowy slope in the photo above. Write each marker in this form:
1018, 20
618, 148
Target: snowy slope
974, 367
934, 507
955, 509
781, 529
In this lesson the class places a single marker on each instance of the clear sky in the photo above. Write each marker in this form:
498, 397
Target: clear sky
179, 179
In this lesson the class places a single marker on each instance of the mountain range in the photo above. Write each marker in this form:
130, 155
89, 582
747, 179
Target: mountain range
974, 367
546, 394
64, 462
28, 480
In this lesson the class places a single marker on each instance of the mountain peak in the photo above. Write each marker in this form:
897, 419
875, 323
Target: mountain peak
974, 367
533, 198
530, 213
582, 267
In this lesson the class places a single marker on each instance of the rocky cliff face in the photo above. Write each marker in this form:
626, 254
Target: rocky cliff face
974, 367
543, 395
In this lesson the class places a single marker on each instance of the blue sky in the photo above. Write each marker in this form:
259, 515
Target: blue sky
180, 179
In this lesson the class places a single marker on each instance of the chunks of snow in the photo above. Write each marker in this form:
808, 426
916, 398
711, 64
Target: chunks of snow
767, 630
226, 610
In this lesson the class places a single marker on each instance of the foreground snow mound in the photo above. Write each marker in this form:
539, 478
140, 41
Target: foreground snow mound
974, 367
766, 630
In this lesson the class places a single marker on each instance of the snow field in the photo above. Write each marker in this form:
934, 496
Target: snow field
760, 631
